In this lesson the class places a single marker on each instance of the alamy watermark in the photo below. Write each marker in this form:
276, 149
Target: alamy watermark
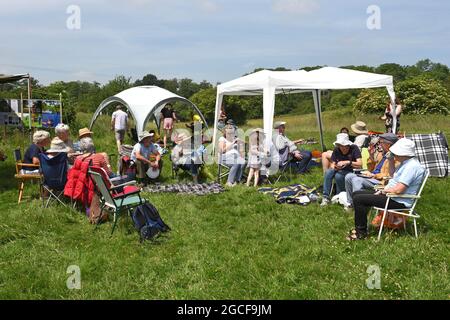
374, 279
73, 22
373, 22
74, 280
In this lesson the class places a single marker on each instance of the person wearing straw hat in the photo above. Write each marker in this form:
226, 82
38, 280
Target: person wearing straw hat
360, 128
57, 146
145, 155
301, 158
184, 157
407, 179
385, 167
346, 157
82, 133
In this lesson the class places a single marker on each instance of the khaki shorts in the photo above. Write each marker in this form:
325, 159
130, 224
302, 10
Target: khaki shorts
120, 135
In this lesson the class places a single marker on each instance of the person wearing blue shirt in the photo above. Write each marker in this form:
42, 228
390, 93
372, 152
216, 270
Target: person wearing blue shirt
407, 180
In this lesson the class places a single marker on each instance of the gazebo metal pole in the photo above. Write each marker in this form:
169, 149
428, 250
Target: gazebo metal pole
317, 105
30, 104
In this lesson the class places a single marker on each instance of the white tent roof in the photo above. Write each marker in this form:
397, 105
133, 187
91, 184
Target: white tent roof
253, 84
301, 80
143, 102
269, 83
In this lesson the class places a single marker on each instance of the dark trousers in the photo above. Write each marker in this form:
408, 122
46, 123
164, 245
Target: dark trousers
365, 199
300, 166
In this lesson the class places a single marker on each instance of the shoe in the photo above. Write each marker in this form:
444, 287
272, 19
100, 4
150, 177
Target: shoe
348, 208
325, 202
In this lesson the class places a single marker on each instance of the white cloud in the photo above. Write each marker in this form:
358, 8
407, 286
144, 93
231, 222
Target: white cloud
295, 6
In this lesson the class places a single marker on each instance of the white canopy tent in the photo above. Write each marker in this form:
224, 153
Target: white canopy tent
143, 102
269, 83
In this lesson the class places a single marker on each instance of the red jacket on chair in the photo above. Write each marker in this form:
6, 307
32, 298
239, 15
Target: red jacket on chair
79, 186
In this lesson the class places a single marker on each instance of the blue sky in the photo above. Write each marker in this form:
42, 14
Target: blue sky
213, 40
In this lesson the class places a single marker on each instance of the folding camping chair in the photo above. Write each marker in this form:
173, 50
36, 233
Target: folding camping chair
22, 175
117, 198
285, 168
407, 212
223, 170
54, 177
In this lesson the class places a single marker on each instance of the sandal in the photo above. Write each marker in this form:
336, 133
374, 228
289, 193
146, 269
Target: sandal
355, 235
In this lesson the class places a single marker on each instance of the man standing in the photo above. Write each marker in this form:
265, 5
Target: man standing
119, 123
287, 149
168, 117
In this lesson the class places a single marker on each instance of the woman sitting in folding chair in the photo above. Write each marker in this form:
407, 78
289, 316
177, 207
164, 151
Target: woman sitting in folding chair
346, 157
53, 165
41, 139
407, 180
230, 148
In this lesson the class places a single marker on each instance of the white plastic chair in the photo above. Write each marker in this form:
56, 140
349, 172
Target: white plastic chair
407, 212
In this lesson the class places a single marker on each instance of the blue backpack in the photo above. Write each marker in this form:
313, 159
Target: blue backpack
148, 222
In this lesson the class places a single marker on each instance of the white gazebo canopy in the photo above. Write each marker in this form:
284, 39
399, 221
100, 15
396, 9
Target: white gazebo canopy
269, 83
143, 102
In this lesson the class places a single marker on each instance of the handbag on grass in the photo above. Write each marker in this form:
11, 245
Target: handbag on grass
392, 221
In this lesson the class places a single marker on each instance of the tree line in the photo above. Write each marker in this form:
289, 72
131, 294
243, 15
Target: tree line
424, 87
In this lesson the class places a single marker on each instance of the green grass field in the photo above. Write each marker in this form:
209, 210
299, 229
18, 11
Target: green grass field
235, 245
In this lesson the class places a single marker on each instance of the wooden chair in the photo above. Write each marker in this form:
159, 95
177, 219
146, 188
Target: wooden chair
22, 177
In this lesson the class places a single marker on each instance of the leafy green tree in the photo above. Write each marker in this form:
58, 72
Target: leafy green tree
419, 95
393, 69
187, 87
371, 101
149, 80
422, 95
205, 100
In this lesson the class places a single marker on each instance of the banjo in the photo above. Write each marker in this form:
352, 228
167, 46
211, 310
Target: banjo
153, 173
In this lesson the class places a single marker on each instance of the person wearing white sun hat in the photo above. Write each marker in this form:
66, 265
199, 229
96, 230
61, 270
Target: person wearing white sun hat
407, 179
346, 157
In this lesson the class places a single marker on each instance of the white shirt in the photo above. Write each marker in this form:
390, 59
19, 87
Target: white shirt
281, 141
143, 150
120, 120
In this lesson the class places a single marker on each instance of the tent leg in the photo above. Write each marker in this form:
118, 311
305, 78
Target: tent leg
317, 106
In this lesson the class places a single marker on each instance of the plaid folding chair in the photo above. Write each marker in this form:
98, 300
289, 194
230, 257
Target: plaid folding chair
54, 177
432, 152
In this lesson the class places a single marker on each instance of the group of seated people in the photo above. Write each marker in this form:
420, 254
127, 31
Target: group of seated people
84, 148
283, 152
390, 158
386, 157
